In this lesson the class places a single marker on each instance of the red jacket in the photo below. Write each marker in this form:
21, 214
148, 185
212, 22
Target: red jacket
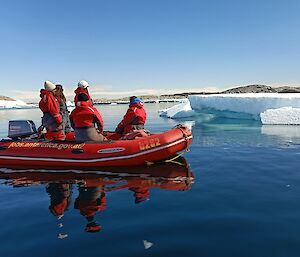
48, 103
135, 115
84, 116
79, 91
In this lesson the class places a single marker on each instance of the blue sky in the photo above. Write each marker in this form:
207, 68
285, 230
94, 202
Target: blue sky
147, 46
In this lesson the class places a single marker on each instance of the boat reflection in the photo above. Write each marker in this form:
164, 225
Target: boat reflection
94, 186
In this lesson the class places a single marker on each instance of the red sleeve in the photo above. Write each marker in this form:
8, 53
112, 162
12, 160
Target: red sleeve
99, 118
128, 117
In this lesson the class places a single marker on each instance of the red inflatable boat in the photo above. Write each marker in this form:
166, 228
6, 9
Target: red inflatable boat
43, 154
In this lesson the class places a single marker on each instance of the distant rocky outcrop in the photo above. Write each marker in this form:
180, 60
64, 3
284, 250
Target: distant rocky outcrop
287, 89
6, 98
262, 89
250, 89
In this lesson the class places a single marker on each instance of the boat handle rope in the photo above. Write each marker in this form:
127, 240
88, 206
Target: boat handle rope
172, 160
185, 136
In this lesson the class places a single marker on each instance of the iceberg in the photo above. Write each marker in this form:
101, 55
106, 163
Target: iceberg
251, 105
17, 104
182, 110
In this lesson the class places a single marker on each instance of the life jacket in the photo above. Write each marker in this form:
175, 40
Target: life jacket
135, 115
85, 116
49, 104
79, 91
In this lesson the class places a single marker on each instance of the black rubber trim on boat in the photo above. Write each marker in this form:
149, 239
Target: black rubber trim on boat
3, 148
77, 151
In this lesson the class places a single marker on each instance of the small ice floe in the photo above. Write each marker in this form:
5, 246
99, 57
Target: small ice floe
281, 116
189, 124
62, 236
70, 104
147, 244
177, 111
60, 225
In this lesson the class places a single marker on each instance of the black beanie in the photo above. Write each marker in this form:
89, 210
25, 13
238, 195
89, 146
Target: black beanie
83, 98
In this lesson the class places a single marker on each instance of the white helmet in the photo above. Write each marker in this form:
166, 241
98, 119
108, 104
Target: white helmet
49, 86
83, 84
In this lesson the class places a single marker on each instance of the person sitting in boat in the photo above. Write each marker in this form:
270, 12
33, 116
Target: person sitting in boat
59, 94
134, 119
83, 119
52, 119
82, 89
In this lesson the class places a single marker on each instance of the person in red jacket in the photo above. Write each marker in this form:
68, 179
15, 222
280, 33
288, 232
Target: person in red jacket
82, 89
83, 119
134, 119
52, 119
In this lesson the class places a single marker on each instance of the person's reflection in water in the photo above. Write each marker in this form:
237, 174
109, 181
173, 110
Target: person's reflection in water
60, 198
141, 193
91, 199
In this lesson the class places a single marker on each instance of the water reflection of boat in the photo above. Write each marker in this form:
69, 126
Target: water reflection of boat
93, 186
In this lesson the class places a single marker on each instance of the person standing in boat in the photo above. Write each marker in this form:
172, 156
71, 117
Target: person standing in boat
59, 94
52, 119
82, 89
83, 119
134, 119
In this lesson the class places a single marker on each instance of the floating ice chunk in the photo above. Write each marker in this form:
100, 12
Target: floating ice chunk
70, 104
181, 110
62, 236
189, 124
147, 244
252, 103
281, 116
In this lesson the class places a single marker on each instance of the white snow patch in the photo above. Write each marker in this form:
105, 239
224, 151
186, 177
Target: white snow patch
281, 116
181, 110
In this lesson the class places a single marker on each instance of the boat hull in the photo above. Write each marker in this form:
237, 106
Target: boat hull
69, 155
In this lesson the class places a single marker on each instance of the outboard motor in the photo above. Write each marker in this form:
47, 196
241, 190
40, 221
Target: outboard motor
21, 129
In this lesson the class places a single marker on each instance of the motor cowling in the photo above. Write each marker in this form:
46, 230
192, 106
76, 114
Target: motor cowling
21, 129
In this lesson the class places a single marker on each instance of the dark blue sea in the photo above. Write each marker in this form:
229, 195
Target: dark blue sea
238, 196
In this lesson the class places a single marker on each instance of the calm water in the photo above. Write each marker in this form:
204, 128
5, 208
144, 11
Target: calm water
245, 199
